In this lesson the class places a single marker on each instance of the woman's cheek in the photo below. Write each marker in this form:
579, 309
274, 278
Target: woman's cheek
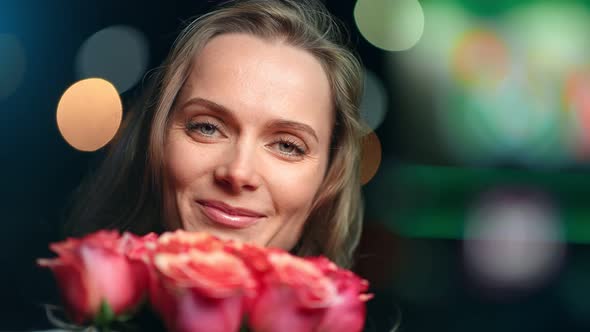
294, 187
190, 160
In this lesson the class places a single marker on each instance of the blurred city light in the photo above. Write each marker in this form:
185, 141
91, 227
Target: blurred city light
480, 57
374, 101
576, 99
430, 59
118, 54
12, 64
550, 36
370, 156
513, 239
390, 25
485, 124
495, 84
89, 114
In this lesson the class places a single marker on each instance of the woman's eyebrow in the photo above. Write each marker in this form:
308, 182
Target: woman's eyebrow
281, 123
206, 103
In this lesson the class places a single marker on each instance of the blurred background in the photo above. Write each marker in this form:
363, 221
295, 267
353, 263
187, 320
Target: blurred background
475, 164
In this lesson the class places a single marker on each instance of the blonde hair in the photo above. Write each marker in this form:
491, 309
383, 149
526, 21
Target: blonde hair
334, 225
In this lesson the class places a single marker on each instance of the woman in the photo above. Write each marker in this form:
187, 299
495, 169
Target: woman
251, 130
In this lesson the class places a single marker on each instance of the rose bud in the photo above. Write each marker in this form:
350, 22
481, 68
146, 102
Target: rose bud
94, 270
201, 290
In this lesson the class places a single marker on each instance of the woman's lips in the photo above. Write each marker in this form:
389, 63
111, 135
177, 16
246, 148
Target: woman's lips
229, 216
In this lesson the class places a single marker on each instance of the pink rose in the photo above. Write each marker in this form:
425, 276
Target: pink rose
177, 242
305, 294
293, 296
182, 241
94, 269
138, 247
197, 282
348, 309
199, 285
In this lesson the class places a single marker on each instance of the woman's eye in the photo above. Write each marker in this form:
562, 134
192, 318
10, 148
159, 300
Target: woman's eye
287, 147
290, 149
203, 128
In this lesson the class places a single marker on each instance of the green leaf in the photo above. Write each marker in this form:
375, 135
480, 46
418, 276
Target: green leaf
105, 315
124, 317
244, 326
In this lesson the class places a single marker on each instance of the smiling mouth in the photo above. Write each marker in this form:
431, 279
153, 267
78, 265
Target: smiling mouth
225, 215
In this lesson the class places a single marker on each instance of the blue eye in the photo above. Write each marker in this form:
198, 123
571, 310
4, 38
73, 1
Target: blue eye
290, 148
203, 128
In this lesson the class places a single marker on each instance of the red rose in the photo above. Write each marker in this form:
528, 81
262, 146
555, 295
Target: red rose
94, 269
199, 285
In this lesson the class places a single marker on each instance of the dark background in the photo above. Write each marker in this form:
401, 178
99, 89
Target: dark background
413, 247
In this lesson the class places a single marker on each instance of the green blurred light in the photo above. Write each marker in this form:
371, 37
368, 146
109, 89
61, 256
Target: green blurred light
430, 58
390, 25
433, 202
463, 119
552, 35
491, 9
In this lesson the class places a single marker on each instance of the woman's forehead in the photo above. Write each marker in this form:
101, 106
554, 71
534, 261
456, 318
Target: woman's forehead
245, 56
247, 74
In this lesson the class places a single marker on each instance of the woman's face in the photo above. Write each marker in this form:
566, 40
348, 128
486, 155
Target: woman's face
249, 142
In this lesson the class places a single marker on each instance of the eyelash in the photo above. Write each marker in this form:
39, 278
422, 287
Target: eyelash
195, 126
299, 149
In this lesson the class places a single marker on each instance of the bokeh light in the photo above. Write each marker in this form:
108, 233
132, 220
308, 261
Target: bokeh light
118, 54
513, 239
497, 86
374, 101
430, 59
370, 156
390, 25
461, 118
552, 35
12, 64
514, 119
576, 98
480, 57
89, 114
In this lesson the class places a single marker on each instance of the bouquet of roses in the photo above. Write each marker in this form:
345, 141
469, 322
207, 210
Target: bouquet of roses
197, 282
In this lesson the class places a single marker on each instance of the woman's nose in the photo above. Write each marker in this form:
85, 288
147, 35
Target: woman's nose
238, 171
